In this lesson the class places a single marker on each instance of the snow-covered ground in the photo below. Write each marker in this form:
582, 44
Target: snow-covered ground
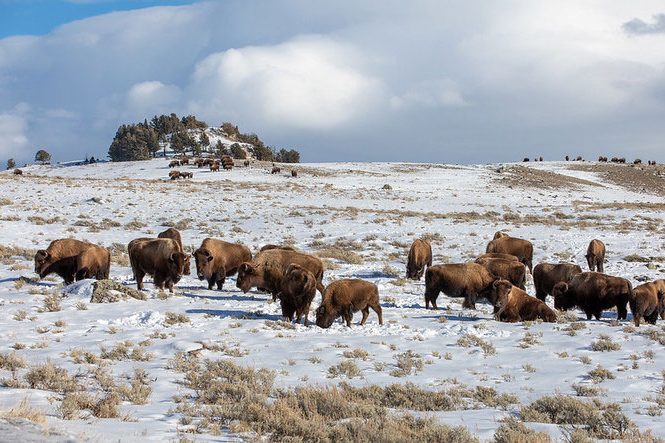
460, 206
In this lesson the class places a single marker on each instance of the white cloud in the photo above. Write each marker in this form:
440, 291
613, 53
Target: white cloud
430, 94
309, 82
151, 97
13, 138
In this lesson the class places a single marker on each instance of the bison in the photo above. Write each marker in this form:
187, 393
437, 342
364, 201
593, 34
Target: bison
217, 259
420, 255
161, 258
344, 297
174, 163
73, 260
592, 292
266, 270
647, 302
246, 163
546, 275
214, 167
513, 271
509, 257
522, 249
268, 247
294, 173
186, 175
175, 235
514, 304
298, 291
275, 170
18, 172
468, 280
174, 175
595, 255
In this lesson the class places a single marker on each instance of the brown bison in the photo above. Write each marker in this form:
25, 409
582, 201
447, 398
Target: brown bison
294, 173
344, 297
214, 167
647, 302
275, 170
175, 235
246, 163
73, 260
522, 249
217, 259
158, 257
595, 255
266, 270
592, 292
174, 163
468, 280
298, 291
514, 304
513, 271
546, 275
420, 255
186, 175
174, 175
184, 161
18, 172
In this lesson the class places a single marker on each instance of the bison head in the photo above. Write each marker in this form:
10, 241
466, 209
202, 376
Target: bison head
176, 265
562, 299
296, 280
42, 262
203, 260
325, 316
247, 277
500, 234
500, 293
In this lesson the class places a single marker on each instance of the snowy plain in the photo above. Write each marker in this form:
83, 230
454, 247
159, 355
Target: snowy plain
459, 207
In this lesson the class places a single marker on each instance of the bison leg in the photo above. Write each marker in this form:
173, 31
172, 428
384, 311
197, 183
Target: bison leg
651, 318
598, 314
348, 316
138, 275
589, 314
600, 265
469, 301
377, 308
540, 294
220, 283
430, 297
81, 274
365, 312
622, 312
636, 319
211, 283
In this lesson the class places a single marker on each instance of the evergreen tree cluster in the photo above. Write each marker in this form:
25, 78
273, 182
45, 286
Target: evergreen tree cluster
141, 141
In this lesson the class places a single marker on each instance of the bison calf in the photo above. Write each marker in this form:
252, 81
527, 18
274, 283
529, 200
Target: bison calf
595, 255
344, 297
514, 304
298, 291
513, 271
420, 255
593, 292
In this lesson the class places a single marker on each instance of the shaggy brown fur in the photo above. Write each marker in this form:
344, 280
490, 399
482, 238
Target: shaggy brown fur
268, 247
174, 163
174, 175
546, 275
298, 291
62, 257
468, 280
513, 271
175, 235
159, 257
18, 172
275, 170
522, 249
592, 292
499, 255
514, 304
346, 296
647, 302
186, 175
214, 167
420, 255
246, 163
595, 255
294, 173
499, 234
267, 270
217, 259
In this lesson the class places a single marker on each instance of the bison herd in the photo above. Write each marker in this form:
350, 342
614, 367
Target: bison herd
294, 277
225, 162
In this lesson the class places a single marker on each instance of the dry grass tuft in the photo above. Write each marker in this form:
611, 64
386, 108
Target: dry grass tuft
605, 343
470, 340
49, 377
24, 411
514, 431
109, 291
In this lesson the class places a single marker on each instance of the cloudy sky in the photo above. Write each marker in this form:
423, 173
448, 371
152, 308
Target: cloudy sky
443, 81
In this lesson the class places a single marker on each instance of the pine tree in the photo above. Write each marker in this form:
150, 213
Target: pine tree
42, 156
11, 164
238, 152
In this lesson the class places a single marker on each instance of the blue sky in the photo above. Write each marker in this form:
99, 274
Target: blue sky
37, 17
450, 81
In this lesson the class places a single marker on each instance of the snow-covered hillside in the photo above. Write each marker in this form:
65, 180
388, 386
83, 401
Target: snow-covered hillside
345, 214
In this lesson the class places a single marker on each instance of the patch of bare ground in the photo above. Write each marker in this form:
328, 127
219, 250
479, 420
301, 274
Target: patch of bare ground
636, 178
518, 176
